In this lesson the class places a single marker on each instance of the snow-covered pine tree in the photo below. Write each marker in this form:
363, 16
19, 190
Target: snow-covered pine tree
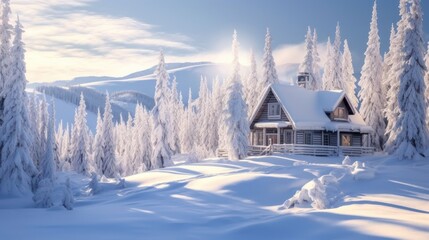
203, 114
306, 65
370, 94
108, 162
146, 140
139, 160
48, 165
162, 152
349, 79
17, 167
337, 82
234, 114
427, 82
412, 131
213, 136
175, 110
97, 154
316, 63
5, 53
64, 152
387, 65
393, 81
327, 71
55, 140
42, 129
217, 97
33, 118
269, 72
121, 140
125, 138
251, 88
59, 131
135, 160
187, 127
79, 156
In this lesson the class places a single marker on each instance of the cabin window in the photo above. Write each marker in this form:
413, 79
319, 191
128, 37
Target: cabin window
346, 140
273, 111
308, 137
340, 114
326, 139
288, 137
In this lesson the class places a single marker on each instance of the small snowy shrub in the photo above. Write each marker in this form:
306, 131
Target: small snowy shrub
43, 195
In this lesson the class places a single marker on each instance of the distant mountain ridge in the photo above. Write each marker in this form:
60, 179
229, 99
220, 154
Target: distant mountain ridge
139, 87
89, 79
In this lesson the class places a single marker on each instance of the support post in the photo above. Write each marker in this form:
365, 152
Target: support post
264, 136
338, 142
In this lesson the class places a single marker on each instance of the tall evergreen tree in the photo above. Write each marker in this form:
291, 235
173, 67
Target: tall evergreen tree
307, 65
79, 155
327, 71
269, 72
175, 109
371, 94
6, 30
234, 114
188, 126
47, 165
141, 150
316, 63
387, 65
214, 110
203, 114
392, 110
33, 119
251, 88
65, 153
108, 162
97, 154
17, 167
42, 128
162, 151
412, 132
337, 82
427, 82
348, 78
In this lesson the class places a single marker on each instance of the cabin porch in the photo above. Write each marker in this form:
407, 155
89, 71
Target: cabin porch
309, 142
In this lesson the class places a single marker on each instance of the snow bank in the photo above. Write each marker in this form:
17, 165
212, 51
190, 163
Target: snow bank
360, 171
320, 192
102, 184
314, 193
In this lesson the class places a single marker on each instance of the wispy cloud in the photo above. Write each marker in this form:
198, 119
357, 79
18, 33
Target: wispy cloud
65, 40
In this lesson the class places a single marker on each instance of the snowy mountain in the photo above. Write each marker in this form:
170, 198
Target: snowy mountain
139, 87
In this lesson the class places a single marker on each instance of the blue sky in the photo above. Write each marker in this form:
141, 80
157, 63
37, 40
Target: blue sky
110, 37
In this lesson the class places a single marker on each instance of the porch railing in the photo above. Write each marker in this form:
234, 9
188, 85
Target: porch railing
304, 149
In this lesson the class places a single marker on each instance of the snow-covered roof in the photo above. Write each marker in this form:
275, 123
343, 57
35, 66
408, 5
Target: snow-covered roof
280, 124
307, 110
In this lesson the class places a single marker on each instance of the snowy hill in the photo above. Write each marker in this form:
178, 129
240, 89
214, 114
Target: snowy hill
126, 92
188, 76
139, 87
222, 199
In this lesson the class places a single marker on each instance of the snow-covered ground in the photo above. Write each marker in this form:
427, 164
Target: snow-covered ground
377, 198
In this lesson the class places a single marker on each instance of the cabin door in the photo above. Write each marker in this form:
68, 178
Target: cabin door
272, 138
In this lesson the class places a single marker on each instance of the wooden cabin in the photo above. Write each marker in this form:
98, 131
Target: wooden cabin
295, 119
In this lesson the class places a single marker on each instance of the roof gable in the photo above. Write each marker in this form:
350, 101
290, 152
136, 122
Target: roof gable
307, 109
